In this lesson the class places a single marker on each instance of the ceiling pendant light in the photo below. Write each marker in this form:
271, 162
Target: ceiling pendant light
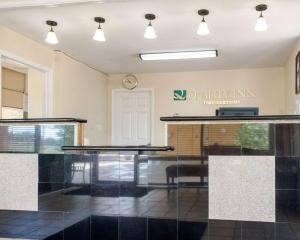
51, 36
261, 24
150, 32
203, 27
99, 34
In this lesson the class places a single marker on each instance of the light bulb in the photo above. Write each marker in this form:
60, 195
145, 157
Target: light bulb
261, 24
51, 37
99, 35
150, 32
203, 28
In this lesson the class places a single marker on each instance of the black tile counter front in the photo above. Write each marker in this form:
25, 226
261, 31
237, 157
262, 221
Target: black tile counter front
277, 136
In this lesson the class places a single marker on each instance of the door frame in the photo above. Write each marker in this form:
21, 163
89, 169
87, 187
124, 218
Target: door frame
115, 91
48, 81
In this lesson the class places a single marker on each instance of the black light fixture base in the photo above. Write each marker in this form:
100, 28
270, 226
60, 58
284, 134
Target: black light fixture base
261, 7
150, 16
99, 19
51, 23
203, 12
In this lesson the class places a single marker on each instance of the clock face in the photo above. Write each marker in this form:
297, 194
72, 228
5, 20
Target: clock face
130, 82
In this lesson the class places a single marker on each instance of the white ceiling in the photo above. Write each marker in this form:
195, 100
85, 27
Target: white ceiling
231, 23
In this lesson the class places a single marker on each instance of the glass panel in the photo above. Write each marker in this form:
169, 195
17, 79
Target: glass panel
241, 139
48, 138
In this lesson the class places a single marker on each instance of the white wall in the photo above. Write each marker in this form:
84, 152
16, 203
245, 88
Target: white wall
266, 83
290, 78
81, 92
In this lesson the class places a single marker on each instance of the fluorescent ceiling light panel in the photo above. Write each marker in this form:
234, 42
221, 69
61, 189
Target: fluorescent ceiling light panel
179, 55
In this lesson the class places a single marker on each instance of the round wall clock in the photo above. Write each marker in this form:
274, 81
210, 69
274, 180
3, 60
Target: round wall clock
130, 82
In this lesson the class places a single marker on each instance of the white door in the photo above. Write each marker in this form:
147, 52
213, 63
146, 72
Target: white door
131, 117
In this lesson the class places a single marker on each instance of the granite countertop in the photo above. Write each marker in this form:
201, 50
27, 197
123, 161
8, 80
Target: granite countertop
117, 148
230, 118
44, 120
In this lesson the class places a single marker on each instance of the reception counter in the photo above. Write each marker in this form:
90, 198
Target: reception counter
215, 178
253, 167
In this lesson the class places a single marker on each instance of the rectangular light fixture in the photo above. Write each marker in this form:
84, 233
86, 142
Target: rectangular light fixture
179, 55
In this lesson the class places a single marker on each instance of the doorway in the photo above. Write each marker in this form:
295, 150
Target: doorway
132, 117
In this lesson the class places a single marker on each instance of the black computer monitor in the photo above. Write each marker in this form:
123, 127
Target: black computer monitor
238, 111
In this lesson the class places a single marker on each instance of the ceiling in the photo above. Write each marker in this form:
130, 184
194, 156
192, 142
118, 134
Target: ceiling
231, 23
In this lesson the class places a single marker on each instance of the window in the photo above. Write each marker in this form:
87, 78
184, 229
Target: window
13, 94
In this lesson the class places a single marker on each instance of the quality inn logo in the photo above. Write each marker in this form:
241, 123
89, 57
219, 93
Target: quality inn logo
179, 95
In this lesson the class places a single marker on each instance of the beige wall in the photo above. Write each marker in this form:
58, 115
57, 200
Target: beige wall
36, 93
26, 48
290, 71
81, 92
267, 84
78, 91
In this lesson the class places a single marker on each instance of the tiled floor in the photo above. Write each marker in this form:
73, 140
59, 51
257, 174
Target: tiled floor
185, 203
58, 211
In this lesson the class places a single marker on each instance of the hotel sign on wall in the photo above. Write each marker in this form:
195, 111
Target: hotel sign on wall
211, 97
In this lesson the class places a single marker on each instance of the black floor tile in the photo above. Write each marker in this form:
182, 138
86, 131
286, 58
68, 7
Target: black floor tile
192, 230
43, 233
105, 228
133, 228
224, 230
56, 236
258, 231
287, 231
162, 229
79, 231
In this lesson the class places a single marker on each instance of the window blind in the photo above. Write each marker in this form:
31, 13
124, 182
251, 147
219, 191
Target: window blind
13, 88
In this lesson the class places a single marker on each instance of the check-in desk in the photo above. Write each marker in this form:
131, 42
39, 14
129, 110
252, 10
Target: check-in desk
221, 178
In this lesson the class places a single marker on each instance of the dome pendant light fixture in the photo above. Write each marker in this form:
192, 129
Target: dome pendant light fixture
203, 27
51, 36
99, 34
261, 24
150, 32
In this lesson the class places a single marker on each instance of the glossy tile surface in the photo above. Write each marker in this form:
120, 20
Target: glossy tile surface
188, 230
287, 173
258, 231
227, 230
288, 206
104, 228
161, 229
132, 228
287, 231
